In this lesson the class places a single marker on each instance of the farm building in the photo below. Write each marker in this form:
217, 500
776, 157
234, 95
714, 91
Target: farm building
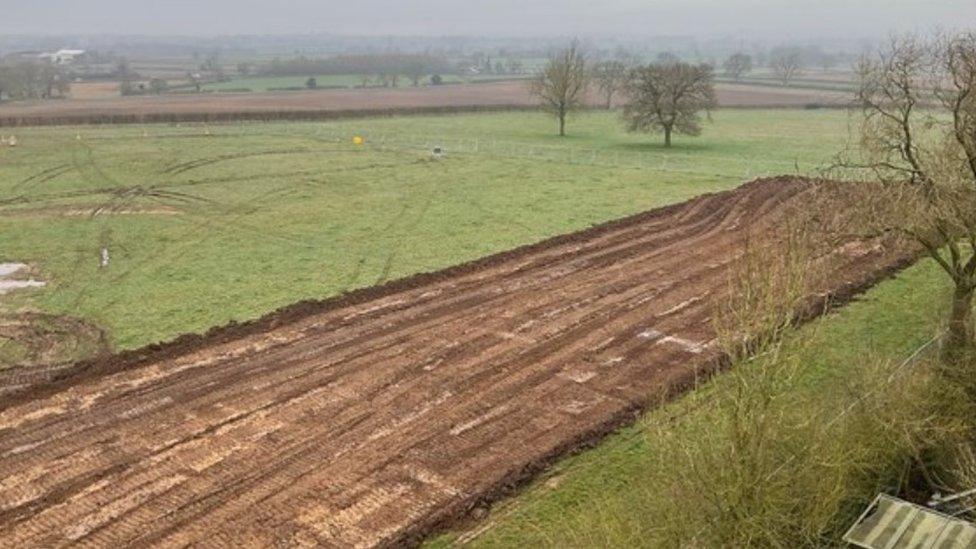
63, 56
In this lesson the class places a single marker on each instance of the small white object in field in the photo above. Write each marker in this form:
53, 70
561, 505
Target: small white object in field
104, 258
12, 141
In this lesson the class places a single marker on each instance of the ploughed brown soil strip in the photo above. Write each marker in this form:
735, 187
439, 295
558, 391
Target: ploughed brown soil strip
345, 103
373, 418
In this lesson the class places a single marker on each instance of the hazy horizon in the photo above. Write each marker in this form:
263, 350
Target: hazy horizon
799, 19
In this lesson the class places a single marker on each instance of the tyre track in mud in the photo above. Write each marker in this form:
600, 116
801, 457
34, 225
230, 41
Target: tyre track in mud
374, 418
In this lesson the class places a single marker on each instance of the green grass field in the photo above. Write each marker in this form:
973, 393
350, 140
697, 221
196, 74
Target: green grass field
211, 224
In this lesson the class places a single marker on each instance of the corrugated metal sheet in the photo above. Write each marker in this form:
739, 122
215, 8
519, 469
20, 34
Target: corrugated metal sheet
890, 523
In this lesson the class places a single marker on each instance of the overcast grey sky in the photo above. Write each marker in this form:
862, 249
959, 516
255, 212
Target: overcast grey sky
802, 18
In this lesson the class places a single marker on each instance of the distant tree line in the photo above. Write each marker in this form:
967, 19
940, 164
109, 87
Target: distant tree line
33, 80
481, 63
385, 68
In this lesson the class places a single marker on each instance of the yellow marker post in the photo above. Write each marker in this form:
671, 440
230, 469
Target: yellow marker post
358, 140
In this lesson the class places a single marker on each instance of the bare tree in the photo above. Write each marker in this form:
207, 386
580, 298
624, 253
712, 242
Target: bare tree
415, 71
123, 70
158, 86
917, 137
669, 98
195, 79
738, 64
7, 82
610, 76
561, 84
787, 64
53, 82
33, 80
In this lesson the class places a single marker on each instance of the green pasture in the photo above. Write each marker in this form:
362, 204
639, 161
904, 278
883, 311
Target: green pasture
209, 224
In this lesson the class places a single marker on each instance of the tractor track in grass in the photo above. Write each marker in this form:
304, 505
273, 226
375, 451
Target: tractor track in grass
376, 417
183, 167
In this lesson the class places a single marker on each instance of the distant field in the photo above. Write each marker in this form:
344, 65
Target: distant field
94, 90
211, 224
336, 102
270, 83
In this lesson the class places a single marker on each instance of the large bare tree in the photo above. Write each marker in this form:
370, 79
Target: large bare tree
610, 77
917, 137
786, 63
738, 64
669, 97
561, 84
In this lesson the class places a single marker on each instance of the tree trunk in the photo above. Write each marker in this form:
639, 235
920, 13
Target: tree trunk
609, 101
960, 338
667, 136
562, 124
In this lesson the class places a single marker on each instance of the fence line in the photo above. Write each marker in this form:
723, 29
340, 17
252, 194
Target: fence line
398, 141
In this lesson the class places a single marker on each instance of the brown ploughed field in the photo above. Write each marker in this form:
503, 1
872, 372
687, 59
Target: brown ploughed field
373, 418
325, 103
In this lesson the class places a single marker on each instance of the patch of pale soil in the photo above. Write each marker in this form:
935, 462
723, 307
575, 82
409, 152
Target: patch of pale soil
7, 284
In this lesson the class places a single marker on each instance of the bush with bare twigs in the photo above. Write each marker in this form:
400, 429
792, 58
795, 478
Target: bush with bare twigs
917, 138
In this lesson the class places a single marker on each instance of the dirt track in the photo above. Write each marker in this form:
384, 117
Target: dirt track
346, 102
371, 419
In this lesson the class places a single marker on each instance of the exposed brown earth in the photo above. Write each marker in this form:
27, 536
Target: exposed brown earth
373, 418
344, 102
